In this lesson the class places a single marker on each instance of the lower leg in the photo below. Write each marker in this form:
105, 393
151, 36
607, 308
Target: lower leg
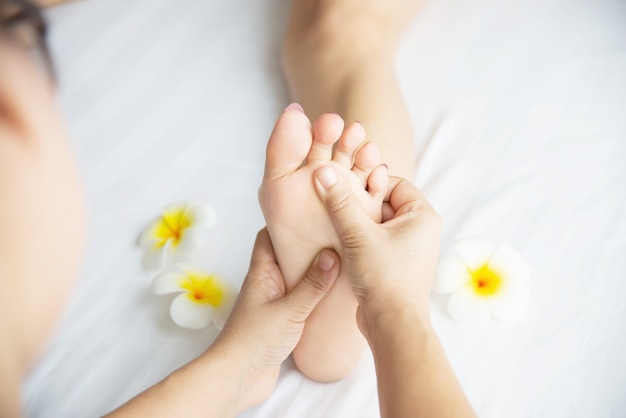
340, 56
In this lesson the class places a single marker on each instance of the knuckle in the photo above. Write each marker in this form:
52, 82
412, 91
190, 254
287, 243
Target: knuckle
354, 236
351, 232
314, 283
261, 234
340, 202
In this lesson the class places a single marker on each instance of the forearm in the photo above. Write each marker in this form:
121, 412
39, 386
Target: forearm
208, 386
414, 376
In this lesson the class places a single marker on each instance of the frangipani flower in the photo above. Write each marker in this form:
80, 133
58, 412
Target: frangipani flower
483, 280
175, 235
203, 298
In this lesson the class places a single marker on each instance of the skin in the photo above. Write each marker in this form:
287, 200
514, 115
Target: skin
414, 376
391, 269
38, 184
332, 344
241, 367
339, 56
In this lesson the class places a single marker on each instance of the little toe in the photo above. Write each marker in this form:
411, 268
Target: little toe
289, 143
366, 159
351, 139
326, 131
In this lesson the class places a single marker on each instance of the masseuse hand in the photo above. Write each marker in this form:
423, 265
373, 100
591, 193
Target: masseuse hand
390, 263
266, 324
391, 268
241, 367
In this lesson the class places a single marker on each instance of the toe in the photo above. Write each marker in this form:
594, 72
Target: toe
289, 143
326, 131
366, 159
378, 181
351, 139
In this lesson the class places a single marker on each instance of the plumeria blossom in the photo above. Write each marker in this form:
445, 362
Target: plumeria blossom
176, 234
483, 281
204, 297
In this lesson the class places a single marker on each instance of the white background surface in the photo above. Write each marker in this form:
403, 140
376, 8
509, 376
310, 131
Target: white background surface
520, 116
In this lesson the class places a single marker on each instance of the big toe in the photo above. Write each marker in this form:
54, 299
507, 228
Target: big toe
289, 143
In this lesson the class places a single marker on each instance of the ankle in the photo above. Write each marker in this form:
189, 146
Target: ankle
335, 34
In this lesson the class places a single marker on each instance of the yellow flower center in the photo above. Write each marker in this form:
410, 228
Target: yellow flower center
485, 281
204, 289
171, 226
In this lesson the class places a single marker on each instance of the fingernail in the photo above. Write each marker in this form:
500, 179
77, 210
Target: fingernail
326, 176
326, 262
294, 106
386, 166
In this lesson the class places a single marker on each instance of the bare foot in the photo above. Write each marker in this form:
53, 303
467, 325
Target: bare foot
300, 226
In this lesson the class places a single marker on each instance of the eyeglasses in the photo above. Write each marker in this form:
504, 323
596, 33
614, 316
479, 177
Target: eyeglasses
22, 23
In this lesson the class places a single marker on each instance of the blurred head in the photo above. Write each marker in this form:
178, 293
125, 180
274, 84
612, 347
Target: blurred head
41, 213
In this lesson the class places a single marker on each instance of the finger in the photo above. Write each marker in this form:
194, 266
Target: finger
403, 197
401, 192
388, 212
263, 251
264, 280
346, 211
309, 291
378, 181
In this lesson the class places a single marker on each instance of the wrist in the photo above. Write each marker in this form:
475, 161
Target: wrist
214, 381
227, 370
247, 382
394, 318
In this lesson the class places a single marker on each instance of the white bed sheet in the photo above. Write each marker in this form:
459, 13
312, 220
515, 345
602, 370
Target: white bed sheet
520, 116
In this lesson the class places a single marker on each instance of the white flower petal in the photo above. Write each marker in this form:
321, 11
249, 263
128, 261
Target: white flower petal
221, 314
467, 307
190, 242
191, 269
510, 302
147, 237
475, 252
188, 314
174, 207
509, 265
202, 215
154, 256
452, 273
168, 282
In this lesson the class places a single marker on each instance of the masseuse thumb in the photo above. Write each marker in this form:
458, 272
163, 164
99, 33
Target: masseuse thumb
309, 291
346, 211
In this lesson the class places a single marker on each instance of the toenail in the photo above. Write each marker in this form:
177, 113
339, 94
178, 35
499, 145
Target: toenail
326, 176
294, 106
